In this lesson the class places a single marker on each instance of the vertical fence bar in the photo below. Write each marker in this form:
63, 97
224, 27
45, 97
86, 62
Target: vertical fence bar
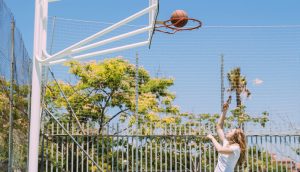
72, 149
261, 153
190, 147
204, 151
180, 147
77, 152
209, 156
137, 108
272, 155
112, 149
132, 150
82, 145
141, 150
47, 147
122, 154
286, 153
166, 148
205, 158
117, 147
57, 139
290, 142
107, 146
276, 155
251, 161
93, 152
146, 152
171, 147
256, 152
80, 156
87, 145
97, 151
62, 149
247, 153
285, 143
209, 148
160, 153
102, 149
52, 147
281, 147
214, 150
185, 149
267, 152
127, 155
123, 149
200, 148
155, 157
296, 145
67, 149
146, 155
199, 145
175, 147
151, 151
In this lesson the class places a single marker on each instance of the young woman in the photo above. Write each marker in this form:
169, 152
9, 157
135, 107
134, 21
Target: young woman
232, 151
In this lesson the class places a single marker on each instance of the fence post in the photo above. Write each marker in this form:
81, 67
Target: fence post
137, 110
222, 82
12, 68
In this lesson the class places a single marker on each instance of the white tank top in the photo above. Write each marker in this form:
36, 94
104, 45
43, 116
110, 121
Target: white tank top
227, 162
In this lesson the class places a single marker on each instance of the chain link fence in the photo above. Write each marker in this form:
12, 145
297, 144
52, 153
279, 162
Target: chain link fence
15, 74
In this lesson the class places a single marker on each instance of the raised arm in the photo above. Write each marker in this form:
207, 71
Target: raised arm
220, 124
219, 147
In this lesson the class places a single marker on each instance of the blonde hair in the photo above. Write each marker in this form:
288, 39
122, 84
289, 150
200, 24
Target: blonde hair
240, 139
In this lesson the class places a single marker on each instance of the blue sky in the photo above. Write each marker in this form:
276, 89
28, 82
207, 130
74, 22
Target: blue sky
231, 12
192, 58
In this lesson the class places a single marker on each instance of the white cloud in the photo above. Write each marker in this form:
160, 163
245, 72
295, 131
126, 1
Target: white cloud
257, 81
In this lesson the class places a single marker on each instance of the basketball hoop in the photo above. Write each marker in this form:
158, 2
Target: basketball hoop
177, 23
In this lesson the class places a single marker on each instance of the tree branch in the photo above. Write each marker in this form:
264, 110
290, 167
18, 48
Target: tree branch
124, 110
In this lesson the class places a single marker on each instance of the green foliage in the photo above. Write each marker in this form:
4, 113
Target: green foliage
20, 125
105, 90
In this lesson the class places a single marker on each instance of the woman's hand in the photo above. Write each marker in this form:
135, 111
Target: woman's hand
226, 105
210, 136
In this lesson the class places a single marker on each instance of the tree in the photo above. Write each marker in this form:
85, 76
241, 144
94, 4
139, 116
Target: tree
105, 91
20, 124
238, 84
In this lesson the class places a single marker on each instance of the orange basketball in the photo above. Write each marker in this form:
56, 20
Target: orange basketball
179, 18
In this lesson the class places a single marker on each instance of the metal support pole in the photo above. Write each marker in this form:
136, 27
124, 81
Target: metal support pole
136, 108
40, 33
136, 87
222, 82
11, 119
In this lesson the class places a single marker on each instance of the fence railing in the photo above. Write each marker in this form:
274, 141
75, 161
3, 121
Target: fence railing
158, 148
